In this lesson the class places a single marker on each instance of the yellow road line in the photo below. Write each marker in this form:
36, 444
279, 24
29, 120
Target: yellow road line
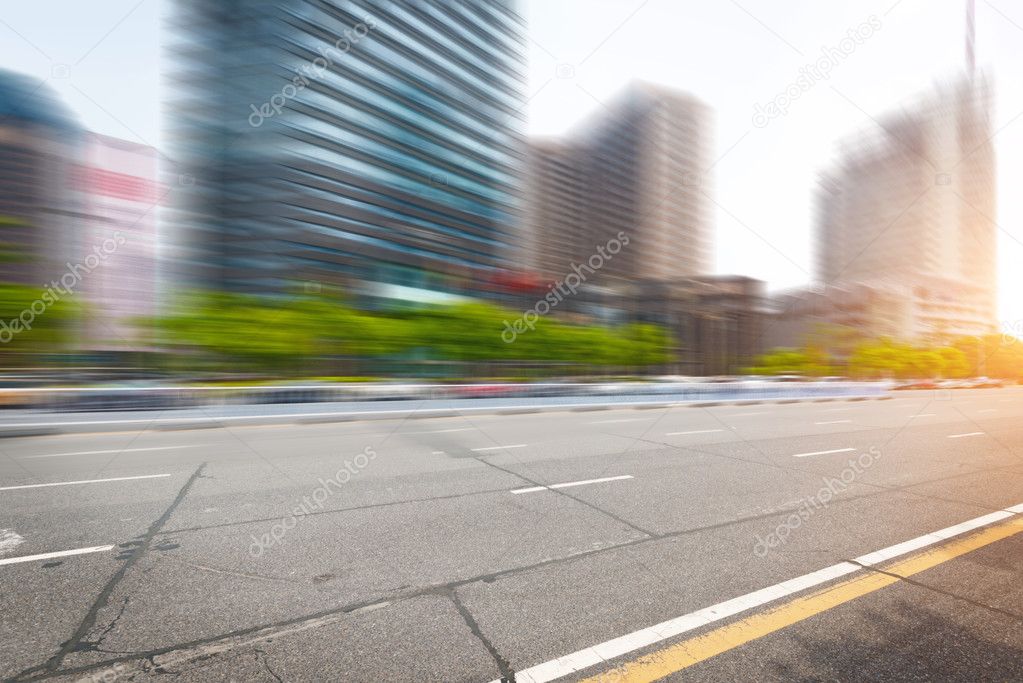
672, 659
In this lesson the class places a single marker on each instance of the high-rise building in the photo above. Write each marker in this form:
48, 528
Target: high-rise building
120, 201
40, 143
77, 215
637, 166
910, 207
368, 143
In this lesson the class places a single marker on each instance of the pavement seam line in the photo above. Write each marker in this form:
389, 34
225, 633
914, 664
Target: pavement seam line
950, 537
955, 596
675, 658
426, 590
89, 620
302, 622
507, 674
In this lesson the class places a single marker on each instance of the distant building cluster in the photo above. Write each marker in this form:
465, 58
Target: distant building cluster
906, 236
378, 147
78, 214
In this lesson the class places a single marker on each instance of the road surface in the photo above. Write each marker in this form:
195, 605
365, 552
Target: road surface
841, 540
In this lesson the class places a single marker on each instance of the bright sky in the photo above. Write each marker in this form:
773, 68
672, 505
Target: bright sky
104, 58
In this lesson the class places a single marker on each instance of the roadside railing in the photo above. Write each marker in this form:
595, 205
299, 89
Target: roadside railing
170, 397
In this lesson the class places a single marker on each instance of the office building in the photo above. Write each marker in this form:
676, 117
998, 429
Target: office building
77, 215
121, 198
40, 143
909, 207
638, 167
371, 145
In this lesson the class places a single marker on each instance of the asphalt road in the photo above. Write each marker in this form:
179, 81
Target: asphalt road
714, 544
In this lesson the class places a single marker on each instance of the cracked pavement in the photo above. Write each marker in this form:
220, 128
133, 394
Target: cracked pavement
256, 559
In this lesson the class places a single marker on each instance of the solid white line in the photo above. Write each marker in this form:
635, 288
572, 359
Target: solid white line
695, 431
832, 422
836, 450
60, 553
498, 448
922, 415
442, 431
533, 489
602, 652
909, 546
988, 410
959, 436
113, 450
83, 481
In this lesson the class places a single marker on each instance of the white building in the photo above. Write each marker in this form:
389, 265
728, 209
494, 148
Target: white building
120, 197
909, 208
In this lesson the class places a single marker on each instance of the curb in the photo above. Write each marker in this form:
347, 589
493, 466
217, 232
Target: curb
224, 422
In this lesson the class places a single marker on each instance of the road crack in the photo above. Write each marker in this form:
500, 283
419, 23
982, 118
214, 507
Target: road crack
507, 674
949, 594
77, 642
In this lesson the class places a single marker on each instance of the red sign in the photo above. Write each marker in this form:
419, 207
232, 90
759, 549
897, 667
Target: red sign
120, 185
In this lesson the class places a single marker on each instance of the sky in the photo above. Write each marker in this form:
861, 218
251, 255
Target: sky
104, 58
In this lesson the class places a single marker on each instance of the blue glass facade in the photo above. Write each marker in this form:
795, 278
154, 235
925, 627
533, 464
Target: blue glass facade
348, 140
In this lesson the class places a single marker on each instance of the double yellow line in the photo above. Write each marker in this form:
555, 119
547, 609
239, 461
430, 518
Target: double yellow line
664, 662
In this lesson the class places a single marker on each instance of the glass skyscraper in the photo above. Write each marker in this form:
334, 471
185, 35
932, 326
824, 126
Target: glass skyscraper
368, 142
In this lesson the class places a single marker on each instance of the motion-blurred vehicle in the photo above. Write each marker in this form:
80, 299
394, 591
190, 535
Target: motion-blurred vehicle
917, 384
127, 395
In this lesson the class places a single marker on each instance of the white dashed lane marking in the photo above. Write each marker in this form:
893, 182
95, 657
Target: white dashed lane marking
61, 553
834, 450
113, 450
533, 489
83, 481
695, 431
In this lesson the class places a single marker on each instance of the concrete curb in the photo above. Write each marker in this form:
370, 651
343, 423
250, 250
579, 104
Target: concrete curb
225, 422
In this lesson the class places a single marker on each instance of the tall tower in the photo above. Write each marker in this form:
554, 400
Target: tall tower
366, 144
971, 38
909, 209
637, 167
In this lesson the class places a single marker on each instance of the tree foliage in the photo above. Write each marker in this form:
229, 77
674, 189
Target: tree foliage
295, 333
993, 355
